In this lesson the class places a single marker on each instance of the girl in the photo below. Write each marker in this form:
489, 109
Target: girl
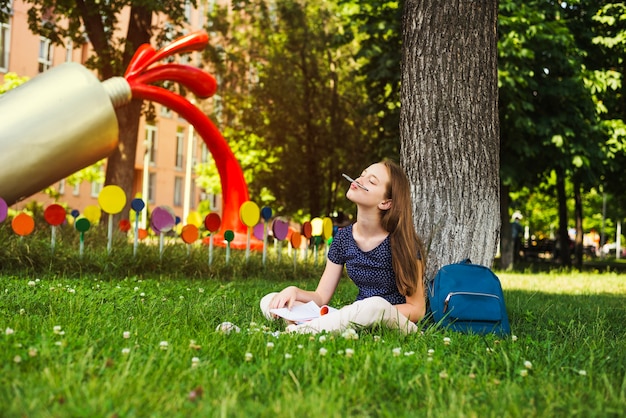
383, 256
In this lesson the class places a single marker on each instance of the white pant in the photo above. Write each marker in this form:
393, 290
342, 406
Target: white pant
362, 313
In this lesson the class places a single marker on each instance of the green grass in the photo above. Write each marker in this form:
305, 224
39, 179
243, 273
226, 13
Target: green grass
567, 359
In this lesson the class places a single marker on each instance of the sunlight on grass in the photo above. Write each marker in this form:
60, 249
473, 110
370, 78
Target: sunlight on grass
575, 283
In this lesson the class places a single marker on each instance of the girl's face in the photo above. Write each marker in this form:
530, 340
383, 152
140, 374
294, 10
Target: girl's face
375, 178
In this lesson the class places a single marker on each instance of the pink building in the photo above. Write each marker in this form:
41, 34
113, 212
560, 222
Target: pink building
167, 151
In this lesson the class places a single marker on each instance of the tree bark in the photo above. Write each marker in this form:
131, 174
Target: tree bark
121, 164
564, 241
449, 128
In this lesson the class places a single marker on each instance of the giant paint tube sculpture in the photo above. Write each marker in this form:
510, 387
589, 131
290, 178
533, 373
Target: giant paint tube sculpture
64, 120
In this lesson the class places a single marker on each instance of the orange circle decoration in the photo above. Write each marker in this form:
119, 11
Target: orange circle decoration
23, 224
142, 233
55, 214
189, 233
296, 239
112, 199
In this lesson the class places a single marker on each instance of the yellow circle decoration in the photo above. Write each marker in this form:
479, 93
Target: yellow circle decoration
327, 228
112, 199
194, 219
93, 214
249, 214
317, 225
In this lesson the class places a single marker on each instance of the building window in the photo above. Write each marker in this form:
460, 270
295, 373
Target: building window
96, 188
151, 187
5, 30
62, 187
178, 191
151, 143
76, 190
180, 148
45, 54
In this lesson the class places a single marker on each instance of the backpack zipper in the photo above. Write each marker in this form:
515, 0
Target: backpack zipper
447, 299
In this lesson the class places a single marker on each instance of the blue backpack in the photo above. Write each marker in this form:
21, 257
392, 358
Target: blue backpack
468, 298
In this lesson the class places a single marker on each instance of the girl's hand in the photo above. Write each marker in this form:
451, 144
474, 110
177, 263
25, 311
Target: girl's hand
285, 298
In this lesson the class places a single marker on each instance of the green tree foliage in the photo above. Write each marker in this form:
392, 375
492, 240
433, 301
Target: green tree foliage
286, 71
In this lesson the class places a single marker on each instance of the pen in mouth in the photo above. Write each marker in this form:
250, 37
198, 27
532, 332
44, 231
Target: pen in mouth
351, 180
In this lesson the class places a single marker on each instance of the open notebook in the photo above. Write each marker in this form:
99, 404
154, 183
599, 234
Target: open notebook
303, 313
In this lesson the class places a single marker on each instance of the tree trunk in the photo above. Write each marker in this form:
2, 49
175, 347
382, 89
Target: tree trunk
506, 234
563, 238
121, 164
578, 215
449, 128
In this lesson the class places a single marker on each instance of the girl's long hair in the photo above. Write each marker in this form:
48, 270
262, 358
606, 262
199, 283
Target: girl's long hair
407, 251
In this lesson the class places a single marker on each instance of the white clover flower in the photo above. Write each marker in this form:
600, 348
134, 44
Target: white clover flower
396, 351
17, 359
136, 289
9, 331
349, 352
32, 352
350, 334
514, 338
431, 352
32, 283
322, 338
409, 353
523, 372
288, 356
126, 334
142, 294
71, 290
323, 351
195, 361
582, 372
528, 364
22, 311
446, 340
443, 375
227, 328
270, 345
57, 329
376, 338
58, 343
300, 346
125, 351
163, 345
200, 290
248, 356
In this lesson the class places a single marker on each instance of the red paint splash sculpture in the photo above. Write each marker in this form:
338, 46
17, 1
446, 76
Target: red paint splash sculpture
144, 70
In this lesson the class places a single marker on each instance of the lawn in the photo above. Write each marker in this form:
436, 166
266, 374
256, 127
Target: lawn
97, 345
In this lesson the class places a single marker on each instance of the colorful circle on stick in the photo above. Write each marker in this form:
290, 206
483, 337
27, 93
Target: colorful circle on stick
93, 213
229, 235
124, 225
163, 219
112, 199
212, 222
82, 224
249, 214
137, 204
296, 239
266, 213
195, 219
327, 228
23, 224
4, 209
259, 230
317, 226
142, 233
280, 229
307, 230
189, 233
55, 214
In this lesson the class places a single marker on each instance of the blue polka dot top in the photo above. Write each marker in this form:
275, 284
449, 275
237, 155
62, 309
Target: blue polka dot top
371, 271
